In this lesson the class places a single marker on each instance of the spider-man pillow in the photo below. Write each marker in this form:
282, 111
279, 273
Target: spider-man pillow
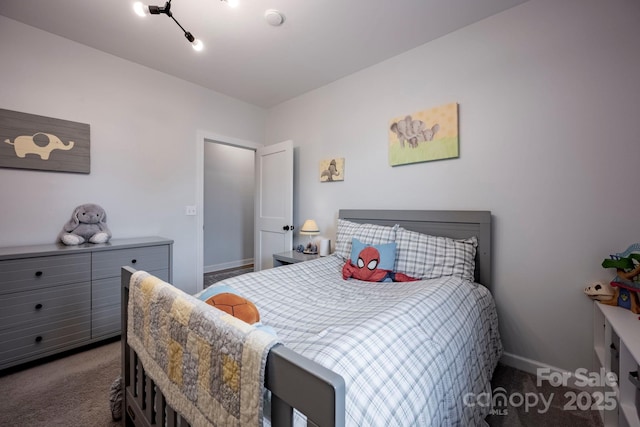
373, 263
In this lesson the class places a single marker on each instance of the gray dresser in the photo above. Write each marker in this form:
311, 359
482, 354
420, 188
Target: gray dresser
55, 297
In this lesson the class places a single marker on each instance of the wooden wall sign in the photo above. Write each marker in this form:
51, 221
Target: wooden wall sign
28, 141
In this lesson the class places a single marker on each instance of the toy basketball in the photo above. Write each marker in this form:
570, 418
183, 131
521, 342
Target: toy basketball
236, 306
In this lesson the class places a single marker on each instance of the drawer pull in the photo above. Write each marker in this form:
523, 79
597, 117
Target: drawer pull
38, 273
39, 306
133, 261
38, 338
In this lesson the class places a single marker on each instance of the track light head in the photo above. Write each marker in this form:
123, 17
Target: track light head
195, 43
144, 10
157, 10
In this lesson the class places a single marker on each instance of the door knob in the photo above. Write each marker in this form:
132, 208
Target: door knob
285, 228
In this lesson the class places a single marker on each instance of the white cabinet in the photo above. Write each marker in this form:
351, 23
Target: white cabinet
616, 342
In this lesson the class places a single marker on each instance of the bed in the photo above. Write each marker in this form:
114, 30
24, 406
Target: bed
363, 353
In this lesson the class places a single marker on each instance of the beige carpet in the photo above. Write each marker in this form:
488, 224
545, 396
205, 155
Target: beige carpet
74, 391
68, 391
518, 383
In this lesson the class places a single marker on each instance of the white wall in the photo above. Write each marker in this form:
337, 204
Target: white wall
549, 96
549, 125
143, 142
229, 190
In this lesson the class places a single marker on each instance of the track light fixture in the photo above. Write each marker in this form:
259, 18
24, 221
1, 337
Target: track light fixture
144, 10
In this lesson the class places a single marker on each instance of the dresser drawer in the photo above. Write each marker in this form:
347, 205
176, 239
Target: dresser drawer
44, 305
108, 263
55, 297
106, 292
33, 273
106, 321
29, 342
105, 304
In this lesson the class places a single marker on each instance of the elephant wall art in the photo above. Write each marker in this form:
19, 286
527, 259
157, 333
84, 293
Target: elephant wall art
28, 141
24, 145
424, 136
332, 169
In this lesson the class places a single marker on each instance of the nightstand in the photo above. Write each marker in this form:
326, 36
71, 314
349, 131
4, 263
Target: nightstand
291, 257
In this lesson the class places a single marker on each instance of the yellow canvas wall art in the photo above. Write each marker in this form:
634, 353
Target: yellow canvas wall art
424, 136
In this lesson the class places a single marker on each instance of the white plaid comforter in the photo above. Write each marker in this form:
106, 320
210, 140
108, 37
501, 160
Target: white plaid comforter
408, 352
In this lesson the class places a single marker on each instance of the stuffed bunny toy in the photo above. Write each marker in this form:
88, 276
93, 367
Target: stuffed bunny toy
87, 224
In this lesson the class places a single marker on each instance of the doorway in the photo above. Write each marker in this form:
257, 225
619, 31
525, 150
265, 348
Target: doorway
203, 139
273, 197
228, 206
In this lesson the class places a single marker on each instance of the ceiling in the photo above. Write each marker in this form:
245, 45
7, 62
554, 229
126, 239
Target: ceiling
246, 58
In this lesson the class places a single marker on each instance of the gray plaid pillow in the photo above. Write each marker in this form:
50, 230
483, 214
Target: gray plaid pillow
428, 257
371, 234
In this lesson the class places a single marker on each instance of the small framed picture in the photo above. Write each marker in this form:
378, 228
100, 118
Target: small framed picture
332, 170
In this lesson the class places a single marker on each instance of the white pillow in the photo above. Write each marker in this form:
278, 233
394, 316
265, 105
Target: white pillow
428, 257
371, 234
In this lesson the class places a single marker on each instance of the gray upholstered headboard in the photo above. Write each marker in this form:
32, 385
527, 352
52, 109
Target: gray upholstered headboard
453, 224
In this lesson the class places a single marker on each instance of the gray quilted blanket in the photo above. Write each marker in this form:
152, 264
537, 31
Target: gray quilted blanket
209, 365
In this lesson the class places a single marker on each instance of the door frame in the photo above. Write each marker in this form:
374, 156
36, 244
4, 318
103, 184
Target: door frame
201, 139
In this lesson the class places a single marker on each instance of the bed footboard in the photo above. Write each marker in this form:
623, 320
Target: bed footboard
294, 382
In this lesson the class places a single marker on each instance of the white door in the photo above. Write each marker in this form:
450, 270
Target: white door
274, 203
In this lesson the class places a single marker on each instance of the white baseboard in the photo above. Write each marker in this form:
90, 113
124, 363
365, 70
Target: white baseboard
532, 366
227, 265
524, 364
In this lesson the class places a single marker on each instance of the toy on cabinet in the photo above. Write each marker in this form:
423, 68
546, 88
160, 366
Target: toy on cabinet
626, 283
88, 223
599, 291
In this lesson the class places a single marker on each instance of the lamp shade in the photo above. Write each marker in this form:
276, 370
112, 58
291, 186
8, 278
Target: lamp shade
309, 227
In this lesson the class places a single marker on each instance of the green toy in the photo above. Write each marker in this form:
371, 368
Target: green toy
627, 281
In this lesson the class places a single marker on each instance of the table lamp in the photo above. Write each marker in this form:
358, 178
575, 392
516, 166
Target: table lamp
310, 228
